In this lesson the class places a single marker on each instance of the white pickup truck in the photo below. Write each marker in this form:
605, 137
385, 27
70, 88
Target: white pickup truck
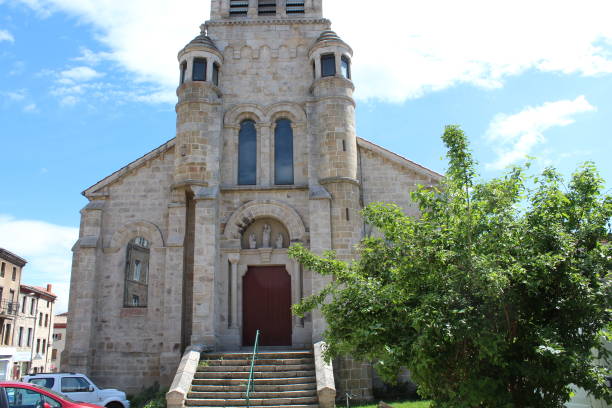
79, 388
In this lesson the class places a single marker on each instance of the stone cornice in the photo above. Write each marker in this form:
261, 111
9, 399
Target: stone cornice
226, 188
91, 191
396, 158
267, 21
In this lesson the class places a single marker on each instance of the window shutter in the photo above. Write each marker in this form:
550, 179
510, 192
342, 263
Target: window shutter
266, 7
239, 7
295, 6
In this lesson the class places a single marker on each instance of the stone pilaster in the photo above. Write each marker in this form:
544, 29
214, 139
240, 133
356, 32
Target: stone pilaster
173, 288
205, 264
320, 241
82, 306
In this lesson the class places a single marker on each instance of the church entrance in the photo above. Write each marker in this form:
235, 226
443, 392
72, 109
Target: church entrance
266, 306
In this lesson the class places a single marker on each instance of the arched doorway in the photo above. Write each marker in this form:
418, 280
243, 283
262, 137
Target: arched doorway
266, 306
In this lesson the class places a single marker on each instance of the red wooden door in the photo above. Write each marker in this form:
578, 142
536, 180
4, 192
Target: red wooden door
266, 305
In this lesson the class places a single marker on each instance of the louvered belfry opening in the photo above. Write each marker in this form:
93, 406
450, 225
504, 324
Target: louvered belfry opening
239, 7
295, 7
266, 7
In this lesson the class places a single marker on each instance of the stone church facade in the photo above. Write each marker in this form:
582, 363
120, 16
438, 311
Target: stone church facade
188, 244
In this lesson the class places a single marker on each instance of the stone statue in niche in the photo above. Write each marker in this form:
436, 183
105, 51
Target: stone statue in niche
252, 241
279, 241
267, 230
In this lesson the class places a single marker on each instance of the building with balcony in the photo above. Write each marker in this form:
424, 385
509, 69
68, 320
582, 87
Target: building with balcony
11, 266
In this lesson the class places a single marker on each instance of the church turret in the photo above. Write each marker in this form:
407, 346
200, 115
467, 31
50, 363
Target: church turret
198, 126
330, 58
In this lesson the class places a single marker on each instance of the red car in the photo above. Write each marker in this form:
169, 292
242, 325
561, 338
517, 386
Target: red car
25, 395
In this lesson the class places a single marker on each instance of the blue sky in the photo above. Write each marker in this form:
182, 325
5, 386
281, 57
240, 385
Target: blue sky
86, 86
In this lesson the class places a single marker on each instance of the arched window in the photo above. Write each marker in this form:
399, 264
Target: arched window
345, 65
283, 152
137, 273
183, 71
215, 74
328, 65
199, 69
247, 153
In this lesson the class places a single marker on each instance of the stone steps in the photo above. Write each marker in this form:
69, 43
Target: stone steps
259, 374
257, 368
259, 387
258, 362
257, 381
254, 395
281, 380
241, 402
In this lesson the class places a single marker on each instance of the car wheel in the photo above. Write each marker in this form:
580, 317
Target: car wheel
114, 405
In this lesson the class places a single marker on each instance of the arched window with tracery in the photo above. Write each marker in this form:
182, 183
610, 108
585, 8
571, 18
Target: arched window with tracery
247, 153
137, 273
283, 152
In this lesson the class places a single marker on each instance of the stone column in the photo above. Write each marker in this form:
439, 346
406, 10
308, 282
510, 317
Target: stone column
205, 264
265, 152
173, 289
234, 259
82, 308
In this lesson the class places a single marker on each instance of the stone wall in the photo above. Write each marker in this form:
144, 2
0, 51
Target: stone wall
353, 377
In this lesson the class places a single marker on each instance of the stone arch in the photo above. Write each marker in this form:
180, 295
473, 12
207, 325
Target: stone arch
253, 210
143, 229
246, 52
289, 110
265, 53
238, 113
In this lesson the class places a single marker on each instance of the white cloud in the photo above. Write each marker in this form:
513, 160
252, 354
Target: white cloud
403, 49
78, 74
515, 136
6, 36
30, 108
18, 95
46, 247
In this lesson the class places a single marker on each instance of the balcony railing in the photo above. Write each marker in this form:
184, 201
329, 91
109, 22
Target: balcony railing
8, 308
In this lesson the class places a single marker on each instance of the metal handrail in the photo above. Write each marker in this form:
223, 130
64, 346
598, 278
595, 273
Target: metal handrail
250, 386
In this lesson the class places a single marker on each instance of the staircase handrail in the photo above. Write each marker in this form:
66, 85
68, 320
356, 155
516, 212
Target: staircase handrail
250, 385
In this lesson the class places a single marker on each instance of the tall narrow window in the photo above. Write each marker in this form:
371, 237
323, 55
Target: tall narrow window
183, 72
295, 7
345, 65
199, 69
328, 65
247, 153
239, 7
215, 78
2, 270
283, 152
266, 7
136, 273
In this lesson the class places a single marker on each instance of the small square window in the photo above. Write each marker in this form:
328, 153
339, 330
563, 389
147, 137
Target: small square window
346, 67
183, 72
199, 69
328, 65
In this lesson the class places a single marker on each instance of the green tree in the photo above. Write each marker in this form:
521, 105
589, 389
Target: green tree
498, 295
